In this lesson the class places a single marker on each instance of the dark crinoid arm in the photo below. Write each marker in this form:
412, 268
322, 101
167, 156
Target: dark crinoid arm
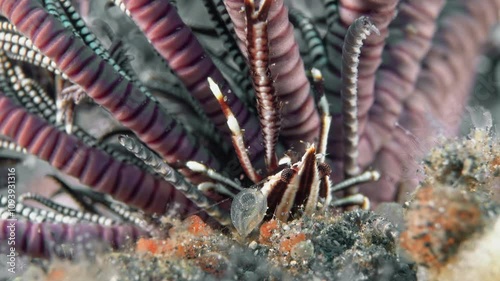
300, 118
90, 165
258, 57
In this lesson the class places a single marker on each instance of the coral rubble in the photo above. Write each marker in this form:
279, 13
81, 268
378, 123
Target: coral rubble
453, 219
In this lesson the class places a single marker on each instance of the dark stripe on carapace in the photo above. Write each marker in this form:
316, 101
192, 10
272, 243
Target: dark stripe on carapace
275, 196
308, 169
324, 187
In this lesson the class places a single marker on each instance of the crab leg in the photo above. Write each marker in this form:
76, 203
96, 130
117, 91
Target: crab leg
236, 134
367, 176
211, 173
356, 199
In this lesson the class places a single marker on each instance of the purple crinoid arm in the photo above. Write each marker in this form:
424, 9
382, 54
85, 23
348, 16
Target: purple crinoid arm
441, 92
49, 239
99, 80
91, 166
416, 22
175, 42
300, 119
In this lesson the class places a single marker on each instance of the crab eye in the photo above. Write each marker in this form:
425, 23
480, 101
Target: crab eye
324, 169
248, 210
287, 175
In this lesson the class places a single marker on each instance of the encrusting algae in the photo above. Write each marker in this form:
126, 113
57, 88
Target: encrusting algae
453, 219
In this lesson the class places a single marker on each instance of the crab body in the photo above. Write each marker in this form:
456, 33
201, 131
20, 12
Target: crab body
304, 184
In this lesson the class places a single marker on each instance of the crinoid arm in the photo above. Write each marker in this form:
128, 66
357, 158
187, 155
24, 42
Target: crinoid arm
178, 181
66, 211
287, 70
211, 173
324, 110
357, 32
352, 200
258, 57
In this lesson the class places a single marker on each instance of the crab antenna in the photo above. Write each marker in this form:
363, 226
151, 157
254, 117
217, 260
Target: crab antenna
326, 118
258, 56
171, 175
357, 32
236, 134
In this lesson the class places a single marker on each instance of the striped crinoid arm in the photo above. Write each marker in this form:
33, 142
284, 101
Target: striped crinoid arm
67, 14
224, 28
176, 43
171, 175
91, 166
18, 47
258, 56
65, 240
60, 213
315, 52
381, 13
236, 134
351, 50
12, 146
300, 119
101, 82
414, 28
32, 213
242, 83
441, 93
